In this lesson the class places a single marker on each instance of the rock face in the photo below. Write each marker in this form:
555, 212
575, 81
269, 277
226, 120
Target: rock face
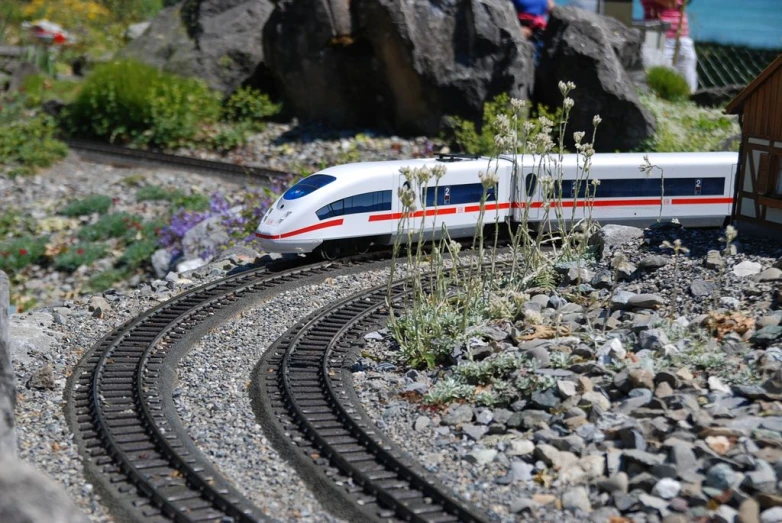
7, 380
27, 496
595, 53
395, 62
219, 41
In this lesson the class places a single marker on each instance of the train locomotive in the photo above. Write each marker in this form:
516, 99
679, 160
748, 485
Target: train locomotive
348, 208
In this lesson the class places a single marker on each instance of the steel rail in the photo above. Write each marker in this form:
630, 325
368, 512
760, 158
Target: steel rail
114, 398
300, 376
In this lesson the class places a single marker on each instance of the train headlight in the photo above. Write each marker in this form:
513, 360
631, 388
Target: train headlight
284, 216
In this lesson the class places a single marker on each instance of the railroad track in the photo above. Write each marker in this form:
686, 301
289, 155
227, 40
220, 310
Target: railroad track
124, 156
302, 391
120, 408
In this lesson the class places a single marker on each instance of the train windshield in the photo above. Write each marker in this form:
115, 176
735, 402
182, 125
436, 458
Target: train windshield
308, 185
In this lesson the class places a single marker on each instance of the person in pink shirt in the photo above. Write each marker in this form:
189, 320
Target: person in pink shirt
671, 11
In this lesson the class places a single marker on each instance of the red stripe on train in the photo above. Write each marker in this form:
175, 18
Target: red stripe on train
323, 225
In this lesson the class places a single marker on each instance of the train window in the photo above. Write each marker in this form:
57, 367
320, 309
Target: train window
778, 185
458, 194
530, 183
308, 185
360, 203
647, 187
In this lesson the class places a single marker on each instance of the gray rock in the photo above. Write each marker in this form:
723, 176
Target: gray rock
481, 456
576, 499
414, 63
474, 432
42, 379
585, 48
646, 301
653, 339
769, 275
653, 262
219, 41
29, 338
521, 471
766, 336
611, 237
523, 505
618, 483
546, 399
421, 423
772, 515
747, 268
667, 488
720, 476
713, 260
702, 288
27, 496
457, 414
161, 262
725, 514
620, 299
7, 378
540, 354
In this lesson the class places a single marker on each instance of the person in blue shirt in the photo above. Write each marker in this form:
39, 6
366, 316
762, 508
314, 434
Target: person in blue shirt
532, 16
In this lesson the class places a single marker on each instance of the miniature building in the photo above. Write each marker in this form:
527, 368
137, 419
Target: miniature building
758, 204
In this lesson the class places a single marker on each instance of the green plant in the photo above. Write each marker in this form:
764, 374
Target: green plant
28, 143
112, 225
39, 88
667, 84
128, 101
76, 256
14, 223
228, 136
683, 126
138, 253
249, 105
106, 279
178, 199
18, 253
96, 203
677, 249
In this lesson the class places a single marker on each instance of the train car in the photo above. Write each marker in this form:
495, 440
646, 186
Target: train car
345, 209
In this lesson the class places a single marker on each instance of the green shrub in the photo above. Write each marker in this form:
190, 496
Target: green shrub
667, 84
178, 199
128, 101
229, 136
18, 253
249, 105
471, 141
78, 255
112, 225
138, 253
683, 126
14, 223
27, 142
39, 88
106, 279
97, 203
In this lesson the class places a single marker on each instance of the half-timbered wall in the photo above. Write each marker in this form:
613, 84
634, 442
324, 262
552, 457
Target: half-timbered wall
762, 111
759, 196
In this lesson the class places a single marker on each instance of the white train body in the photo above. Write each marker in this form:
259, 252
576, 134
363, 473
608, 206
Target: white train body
348, 207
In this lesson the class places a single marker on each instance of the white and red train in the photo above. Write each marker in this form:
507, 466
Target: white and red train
346, 208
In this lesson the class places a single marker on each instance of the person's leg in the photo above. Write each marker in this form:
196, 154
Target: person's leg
689, 63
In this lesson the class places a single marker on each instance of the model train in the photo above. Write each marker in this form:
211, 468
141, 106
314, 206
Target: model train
346, 208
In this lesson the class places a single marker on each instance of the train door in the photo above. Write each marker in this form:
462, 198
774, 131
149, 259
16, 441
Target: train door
526, 197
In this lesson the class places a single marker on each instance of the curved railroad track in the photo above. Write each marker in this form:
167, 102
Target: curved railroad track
119, 403
124, 156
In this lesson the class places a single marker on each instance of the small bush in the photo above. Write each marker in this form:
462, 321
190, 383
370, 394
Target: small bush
249, 105
18, 253
78, 255
96, 203
108, 226
14, 223
106, 279
668, 84
228, 136
138, 253
27, 141
128, 101
178, 199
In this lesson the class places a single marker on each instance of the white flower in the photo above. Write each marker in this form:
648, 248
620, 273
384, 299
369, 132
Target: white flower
455, 247
578, 136
528, 126
596, 120
595, 182
568, 103
517, 104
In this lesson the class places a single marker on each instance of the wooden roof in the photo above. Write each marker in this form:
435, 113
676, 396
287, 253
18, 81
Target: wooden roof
736, 105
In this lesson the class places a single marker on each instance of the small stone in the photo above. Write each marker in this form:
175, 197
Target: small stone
667, 488
652, 262
541, 355
566, 389
772, 515
653, 339
749, 512
702, 288
720, 476
641, 379
457, 414
545, 399
747, 268
646, 301
766, 336
584, 385
544, 499
725, 514
769, 275
576, 499
713, 260
715, 385
616, 483
523, 505
421, 423
474, 432
42, 379
520, 447
663, 390
719, 444
484, 417
596, 398
481, 456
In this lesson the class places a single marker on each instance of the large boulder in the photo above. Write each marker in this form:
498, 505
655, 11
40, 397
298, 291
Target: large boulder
219, 41
596, 53
398, 63
28, 496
